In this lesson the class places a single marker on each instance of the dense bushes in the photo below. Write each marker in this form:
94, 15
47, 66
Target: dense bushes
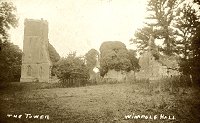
72, 70
10, 54
115, 55
10, 62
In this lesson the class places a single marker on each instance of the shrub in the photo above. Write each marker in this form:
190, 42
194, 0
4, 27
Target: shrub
72, 71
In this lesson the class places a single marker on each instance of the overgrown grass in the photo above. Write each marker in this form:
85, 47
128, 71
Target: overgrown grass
97, 103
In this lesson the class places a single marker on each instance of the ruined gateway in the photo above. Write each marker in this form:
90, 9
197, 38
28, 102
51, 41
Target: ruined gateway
35, 60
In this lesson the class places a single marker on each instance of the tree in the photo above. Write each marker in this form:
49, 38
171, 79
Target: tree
194, 64
114, 55
91, 58
71, 67
195, 46
188, 44
8, 19
185, 26
10, 62
159, 23
142, 37
134, 61
197, 1
10, 54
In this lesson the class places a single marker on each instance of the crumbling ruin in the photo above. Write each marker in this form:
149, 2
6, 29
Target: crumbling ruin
155, 66
35, 60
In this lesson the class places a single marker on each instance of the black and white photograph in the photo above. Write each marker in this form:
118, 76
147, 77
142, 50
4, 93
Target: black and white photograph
99, 61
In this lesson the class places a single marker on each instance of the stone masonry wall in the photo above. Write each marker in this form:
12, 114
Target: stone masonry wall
35, 60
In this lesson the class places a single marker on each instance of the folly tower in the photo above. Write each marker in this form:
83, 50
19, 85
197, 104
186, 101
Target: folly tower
35, 60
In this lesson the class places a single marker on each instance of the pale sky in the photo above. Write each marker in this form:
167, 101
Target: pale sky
79, 25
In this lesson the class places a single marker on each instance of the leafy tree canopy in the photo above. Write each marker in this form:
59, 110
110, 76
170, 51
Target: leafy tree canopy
195, 48
10, 62
8, 19
134, 61
91, 58
114, 55
10, 54
159, 22
71, 67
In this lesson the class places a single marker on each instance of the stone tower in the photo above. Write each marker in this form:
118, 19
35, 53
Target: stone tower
35, 60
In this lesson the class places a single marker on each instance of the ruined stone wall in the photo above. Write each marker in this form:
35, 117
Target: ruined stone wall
150, 68
155, 66
35, 60
145, 68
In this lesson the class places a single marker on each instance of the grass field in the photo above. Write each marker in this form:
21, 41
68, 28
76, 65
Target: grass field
108, 103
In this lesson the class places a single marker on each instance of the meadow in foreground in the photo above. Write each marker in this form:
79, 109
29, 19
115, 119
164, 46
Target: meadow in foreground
98, 103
